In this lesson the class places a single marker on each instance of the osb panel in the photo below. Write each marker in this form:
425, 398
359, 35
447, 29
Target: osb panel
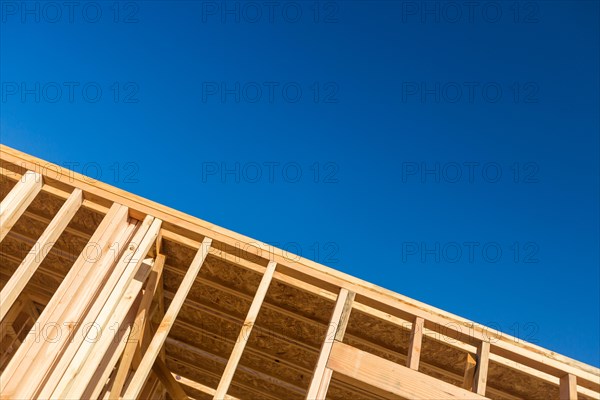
230, 275
46, 205
285, 372
221, 347
243, 251
210, 321
6, 186
301, 302
216, 367
310, 334
13, 251
198, 374
178, 254
443, 355
86, 221
343, 391
266, 341
278, 347
378, 331
28, 227
519, 384
208, 295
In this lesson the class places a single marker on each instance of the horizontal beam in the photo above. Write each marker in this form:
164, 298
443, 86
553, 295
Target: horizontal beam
398, 380
56, 192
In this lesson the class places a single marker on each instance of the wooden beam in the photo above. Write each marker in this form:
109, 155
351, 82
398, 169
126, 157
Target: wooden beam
414, 346
89, 305
568, 387
34, 258
137, 334
377, 372
199, 387
338, 323
56, 192
18, 368
77, 378
141, 374
173, 387
17, 200
245, 332
469, 375
483, 361
107, 366
131, 271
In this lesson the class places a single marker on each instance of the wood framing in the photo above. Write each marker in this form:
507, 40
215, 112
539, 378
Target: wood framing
117, 297
245, 332
414, 347
396, 379
34, 258
336, 330
141, 374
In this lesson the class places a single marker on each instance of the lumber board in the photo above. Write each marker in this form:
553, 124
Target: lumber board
414, 348
141, 374
568, 387
32, 261
481, 373
99, 295
17, 201
134, 339
339, 322
245, 332
18, 369
390, 377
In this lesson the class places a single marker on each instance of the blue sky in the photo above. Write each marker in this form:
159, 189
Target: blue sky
445, 151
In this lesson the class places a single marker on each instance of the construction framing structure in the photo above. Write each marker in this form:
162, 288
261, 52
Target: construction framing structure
107, 295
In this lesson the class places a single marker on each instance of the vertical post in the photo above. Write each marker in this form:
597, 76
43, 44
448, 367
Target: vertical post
469, 375
337, 328
568, 387
244, 335
414, 347
483, 361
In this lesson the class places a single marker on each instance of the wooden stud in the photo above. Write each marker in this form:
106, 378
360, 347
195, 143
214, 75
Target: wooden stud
141, 374
568, 387
483, 360
414, 347
469, 374
245, 332
122, 295
18, 368
134, 339
16, 202
34, 258
88, 304
106, 368
339, 322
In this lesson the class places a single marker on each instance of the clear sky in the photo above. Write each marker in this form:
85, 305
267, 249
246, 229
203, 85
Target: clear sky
448, 151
